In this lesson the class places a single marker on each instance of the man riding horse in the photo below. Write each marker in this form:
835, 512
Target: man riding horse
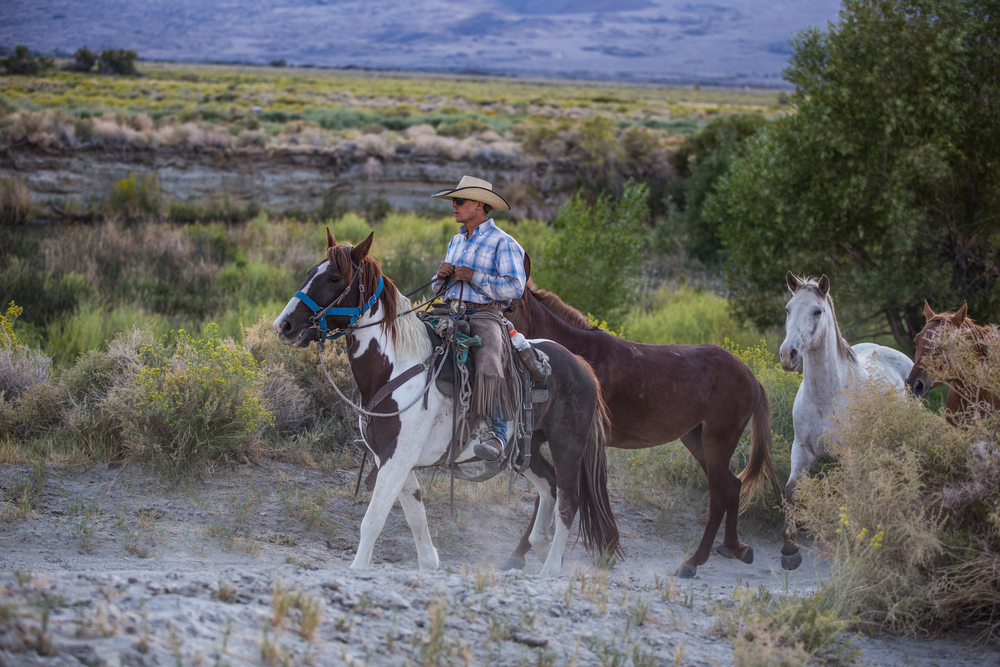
484, 270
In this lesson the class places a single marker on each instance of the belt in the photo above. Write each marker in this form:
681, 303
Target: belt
480, 306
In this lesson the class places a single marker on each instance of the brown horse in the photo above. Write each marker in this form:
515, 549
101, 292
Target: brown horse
928, 343
702, 394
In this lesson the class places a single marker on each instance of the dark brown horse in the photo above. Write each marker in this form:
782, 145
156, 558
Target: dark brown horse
702, 394
928, 343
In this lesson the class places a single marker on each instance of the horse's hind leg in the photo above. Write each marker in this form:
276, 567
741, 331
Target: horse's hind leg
540, 468
413, 508
390, 480
724, 497
564, 521
538, 537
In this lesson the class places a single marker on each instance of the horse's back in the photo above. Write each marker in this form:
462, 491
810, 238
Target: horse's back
885, 363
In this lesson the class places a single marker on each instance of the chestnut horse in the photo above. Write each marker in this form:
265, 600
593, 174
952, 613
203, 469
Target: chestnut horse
702, 394
390, 353
928, 343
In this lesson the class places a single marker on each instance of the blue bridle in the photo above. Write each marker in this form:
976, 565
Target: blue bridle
320, 314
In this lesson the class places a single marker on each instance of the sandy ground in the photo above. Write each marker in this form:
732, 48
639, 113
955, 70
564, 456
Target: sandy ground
250, 566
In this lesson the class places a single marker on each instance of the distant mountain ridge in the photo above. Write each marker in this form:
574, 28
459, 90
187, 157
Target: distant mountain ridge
734, 42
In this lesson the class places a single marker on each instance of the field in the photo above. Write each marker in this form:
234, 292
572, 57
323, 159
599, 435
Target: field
149, 414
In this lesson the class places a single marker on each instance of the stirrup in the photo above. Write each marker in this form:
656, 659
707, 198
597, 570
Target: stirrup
489, 450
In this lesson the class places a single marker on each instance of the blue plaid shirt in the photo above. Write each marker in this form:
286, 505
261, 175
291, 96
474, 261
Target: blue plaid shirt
497, 263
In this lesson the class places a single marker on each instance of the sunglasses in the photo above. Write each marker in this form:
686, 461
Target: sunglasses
459, 201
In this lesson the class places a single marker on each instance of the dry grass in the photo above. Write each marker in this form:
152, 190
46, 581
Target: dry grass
16, 205
902, 515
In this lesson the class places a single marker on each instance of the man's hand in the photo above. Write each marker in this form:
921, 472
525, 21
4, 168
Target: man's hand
445, 270
463, 274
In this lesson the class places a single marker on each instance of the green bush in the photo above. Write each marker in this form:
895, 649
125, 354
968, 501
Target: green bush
84, 59
593, 259
118, 61
23, 62
688, 316
43, 296
202, 402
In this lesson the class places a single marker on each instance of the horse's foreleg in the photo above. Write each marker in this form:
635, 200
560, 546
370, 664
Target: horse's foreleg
413, 508
802, 460
515, 561
391, 477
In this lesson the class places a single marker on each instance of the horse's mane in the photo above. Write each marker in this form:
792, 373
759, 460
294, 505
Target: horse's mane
559, 308
406, 332
844, 350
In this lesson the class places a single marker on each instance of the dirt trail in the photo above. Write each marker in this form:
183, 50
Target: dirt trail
129, 571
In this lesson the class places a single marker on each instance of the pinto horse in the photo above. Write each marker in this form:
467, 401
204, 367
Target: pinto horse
830, 369
385, 341
702, 394
928, 342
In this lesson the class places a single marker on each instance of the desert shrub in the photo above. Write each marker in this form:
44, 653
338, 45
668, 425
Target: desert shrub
463, 127
83, 60
930, 493
301, 367
199, 403
593, 260
135, 195
23, 62
94, 324
118, 61
20, 368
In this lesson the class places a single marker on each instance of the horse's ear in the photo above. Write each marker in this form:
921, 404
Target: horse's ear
960, 316
361, 250
824, 285
527, 265
792, 281
330, 241
928, 312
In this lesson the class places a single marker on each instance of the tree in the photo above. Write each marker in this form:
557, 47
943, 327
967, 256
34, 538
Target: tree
23, 62
702, 160
83, 60
118, 61
887, 177
593, 260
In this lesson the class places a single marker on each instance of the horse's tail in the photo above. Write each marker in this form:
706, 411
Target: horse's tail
598, 525
760, 464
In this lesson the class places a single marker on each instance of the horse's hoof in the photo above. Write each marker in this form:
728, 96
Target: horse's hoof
512, 563
723, 551
687, 571
748, 556
791, 562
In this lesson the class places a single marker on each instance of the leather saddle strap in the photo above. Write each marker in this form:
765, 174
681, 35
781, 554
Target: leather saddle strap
393, 384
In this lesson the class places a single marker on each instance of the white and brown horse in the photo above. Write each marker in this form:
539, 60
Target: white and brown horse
347, 292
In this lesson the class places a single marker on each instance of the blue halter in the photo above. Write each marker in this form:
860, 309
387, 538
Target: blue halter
320, 314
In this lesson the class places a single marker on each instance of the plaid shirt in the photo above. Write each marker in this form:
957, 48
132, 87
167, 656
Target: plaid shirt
497, 262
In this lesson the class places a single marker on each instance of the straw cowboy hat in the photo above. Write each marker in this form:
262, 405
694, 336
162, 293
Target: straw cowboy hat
475, 189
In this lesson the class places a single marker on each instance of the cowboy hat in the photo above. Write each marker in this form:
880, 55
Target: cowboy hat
475, 189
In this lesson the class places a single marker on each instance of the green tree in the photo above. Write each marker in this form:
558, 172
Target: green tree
118, 61
84, 59
887, 177
593, 260
702, 160
23, 62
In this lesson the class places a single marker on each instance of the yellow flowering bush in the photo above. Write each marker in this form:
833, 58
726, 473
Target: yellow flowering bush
201, 402
8, 341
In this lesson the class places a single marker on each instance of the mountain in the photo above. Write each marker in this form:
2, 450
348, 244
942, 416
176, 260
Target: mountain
723, 41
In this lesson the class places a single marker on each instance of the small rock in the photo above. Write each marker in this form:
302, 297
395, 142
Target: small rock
492, 603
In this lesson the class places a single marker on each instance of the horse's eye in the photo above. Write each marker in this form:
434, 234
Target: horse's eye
817, 312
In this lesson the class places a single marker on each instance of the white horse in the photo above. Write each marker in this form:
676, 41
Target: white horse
390, 352
830, 369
